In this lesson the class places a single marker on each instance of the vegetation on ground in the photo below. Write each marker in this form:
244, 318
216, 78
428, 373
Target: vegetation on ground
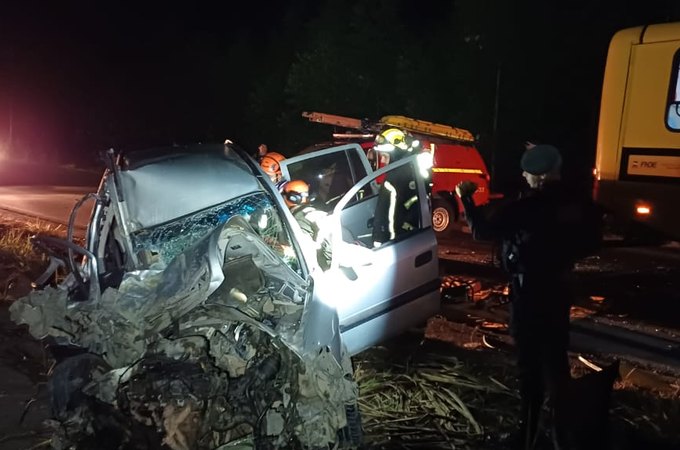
20, 262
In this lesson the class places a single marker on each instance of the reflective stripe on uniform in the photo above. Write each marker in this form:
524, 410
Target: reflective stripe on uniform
391, 211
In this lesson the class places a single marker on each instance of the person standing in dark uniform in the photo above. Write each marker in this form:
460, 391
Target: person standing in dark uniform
542, 233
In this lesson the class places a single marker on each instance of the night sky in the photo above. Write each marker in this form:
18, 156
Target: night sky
77, 77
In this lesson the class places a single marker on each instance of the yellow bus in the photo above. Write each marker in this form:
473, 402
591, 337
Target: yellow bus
637, 165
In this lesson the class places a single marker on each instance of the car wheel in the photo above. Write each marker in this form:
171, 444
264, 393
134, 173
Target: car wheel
443, 217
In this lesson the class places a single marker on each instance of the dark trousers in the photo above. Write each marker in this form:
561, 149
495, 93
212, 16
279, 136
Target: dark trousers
540, 328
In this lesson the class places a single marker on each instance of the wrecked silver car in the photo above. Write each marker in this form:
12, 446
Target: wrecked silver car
197, 318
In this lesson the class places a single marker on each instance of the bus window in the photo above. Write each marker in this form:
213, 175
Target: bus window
673, 116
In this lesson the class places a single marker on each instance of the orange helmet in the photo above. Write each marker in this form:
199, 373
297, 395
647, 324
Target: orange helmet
271, 167
277, 156
296, 192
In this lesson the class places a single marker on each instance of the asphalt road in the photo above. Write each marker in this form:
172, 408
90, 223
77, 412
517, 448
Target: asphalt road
50, 203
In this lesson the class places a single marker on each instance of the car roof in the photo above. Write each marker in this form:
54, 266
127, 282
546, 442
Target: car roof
163, 184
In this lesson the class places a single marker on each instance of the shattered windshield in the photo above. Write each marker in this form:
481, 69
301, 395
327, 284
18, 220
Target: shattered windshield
157, 246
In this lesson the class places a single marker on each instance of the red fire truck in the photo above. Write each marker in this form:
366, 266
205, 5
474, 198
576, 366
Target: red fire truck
455, 159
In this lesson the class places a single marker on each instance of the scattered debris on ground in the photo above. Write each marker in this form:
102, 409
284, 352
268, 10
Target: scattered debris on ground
425, 400
455, 389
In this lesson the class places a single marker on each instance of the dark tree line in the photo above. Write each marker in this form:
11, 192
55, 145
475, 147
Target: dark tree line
508, 71
81, 78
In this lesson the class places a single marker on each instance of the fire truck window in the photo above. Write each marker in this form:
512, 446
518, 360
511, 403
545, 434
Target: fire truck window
673, 112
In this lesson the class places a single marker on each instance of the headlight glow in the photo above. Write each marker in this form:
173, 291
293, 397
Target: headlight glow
425, 161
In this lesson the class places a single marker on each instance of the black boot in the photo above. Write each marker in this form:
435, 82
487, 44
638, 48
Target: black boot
525, 437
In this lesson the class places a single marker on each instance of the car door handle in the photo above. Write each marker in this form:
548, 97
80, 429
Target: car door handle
349, 273
423, 258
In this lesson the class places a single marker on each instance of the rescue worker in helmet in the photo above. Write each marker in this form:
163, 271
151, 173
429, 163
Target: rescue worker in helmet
396, 144
270, 164
311, 220
542, 234
398, 207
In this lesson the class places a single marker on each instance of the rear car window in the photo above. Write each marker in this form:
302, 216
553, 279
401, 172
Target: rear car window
673, 109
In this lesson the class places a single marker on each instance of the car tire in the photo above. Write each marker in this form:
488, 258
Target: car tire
443, 217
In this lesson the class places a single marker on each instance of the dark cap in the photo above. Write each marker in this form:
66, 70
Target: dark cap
541, 159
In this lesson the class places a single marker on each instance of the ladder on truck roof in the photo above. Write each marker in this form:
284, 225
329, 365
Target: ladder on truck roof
405, 123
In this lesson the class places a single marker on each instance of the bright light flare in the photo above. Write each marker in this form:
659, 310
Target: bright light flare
643, 210
425, 161
263, 222
596, 173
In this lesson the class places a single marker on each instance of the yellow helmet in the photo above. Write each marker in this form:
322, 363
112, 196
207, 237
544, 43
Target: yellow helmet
296, 192
390, 139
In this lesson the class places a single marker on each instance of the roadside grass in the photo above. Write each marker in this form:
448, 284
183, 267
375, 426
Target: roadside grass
20, 262
15, 239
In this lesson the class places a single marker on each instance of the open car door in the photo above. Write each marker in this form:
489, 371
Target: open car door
384, 274
330, 172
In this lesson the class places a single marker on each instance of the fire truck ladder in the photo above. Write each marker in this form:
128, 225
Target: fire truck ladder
405, 123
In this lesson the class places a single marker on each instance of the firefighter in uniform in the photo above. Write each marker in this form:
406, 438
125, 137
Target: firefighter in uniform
397, 208
542, 235
311, 220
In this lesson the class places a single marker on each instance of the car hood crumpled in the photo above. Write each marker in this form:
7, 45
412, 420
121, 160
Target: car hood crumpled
205, 352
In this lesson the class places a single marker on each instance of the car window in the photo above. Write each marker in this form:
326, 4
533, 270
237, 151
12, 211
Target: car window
673, 110
385, 212
329, 177
157, 246
358, 169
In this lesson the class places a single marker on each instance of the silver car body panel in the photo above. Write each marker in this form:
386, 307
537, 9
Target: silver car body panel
377, 292
394, 286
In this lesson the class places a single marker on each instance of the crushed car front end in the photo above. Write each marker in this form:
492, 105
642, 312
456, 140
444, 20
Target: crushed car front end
190, 312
